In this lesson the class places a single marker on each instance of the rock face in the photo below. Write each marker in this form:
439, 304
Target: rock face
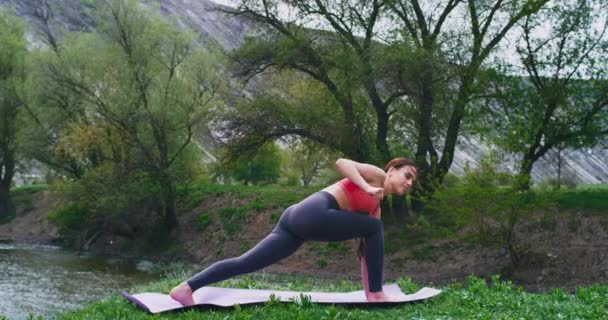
586, 166
583, 166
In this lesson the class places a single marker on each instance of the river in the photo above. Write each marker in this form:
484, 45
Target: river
44, 280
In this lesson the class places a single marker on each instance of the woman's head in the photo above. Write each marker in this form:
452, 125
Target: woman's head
400, 175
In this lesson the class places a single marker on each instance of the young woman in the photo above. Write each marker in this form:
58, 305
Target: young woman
327, 215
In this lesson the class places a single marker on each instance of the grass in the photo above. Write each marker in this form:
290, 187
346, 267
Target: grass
591, 198
257, 198
262, 197
474, 299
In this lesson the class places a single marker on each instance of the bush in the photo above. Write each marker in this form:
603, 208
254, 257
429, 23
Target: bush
263, 168
105, 200
550, 183
481, 209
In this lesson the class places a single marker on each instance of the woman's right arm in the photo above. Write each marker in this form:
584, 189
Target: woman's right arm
364, 175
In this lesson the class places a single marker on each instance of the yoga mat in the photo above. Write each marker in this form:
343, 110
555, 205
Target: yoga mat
228, 297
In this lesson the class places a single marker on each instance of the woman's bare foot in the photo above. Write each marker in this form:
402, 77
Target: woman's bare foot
182, 294
379, 296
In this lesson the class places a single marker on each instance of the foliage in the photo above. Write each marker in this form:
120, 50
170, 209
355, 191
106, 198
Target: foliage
487, 212
591, 200
12, 77
254, 199
262, 168
307, 160
124, 106
105, 200
561, 102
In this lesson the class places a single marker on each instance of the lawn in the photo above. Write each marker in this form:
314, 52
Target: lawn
474, 299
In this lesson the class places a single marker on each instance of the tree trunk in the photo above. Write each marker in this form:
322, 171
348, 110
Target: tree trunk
7, 208
169, 216
523, 178
426, 156
400, 211
559, 168
381, 142
7, 171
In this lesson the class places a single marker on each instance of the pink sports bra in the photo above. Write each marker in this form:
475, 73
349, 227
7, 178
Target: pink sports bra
358, 199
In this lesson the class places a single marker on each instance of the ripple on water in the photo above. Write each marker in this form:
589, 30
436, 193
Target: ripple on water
45, 280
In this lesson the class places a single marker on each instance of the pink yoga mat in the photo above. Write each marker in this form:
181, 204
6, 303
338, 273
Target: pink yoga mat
228, 297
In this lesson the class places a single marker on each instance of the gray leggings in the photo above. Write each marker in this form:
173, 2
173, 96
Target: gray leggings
316, 218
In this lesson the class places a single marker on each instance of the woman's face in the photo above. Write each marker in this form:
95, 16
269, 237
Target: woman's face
401, 180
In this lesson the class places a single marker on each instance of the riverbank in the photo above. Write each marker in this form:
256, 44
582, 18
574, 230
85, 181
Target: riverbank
569, 244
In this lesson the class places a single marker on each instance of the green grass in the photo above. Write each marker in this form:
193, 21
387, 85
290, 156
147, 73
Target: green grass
29, 189
475, 299
232, 217
262, 197
591, 198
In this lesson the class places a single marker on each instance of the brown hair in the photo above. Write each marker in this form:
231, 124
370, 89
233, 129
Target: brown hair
398, 163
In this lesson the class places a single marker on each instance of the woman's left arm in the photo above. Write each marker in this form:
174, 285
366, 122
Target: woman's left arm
364, 276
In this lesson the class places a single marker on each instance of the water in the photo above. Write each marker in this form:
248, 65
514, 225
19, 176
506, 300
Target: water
44, 280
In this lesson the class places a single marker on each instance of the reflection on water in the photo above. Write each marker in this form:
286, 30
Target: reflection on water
44, 280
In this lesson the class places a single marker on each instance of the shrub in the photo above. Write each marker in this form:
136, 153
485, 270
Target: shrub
481, 209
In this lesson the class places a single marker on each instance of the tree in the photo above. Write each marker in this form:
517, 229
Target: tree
343, 64
309, 159
563, 100
264, 167
145, 86
51, 108
12, 75
413, 62
466, 50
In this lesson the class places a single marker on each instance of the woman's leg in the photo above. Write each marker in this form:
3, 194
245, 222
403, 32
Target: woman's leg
342, 225
318, 219
279, 244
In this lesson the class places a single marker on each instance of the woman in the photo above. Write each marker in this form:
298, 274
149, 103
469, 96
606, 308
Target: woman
326, 215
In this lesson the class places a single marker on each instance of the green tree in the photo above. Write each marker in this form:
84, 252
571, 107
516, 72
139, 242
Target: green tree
12, 76
435, 37
343, 65
145, 88
264, 167
52, 109
563, 100
421, 67
308, 159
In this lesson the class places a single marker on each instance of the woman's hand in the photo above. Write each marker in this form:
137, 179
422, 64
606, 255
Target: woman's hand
377, 193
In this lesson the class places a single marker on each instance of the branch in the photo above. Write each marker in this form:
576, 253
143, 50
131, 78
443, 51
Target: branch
452, 4
527, 10
420, 18
402, 13
530, 61
339, 25
586, 54
488, 21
